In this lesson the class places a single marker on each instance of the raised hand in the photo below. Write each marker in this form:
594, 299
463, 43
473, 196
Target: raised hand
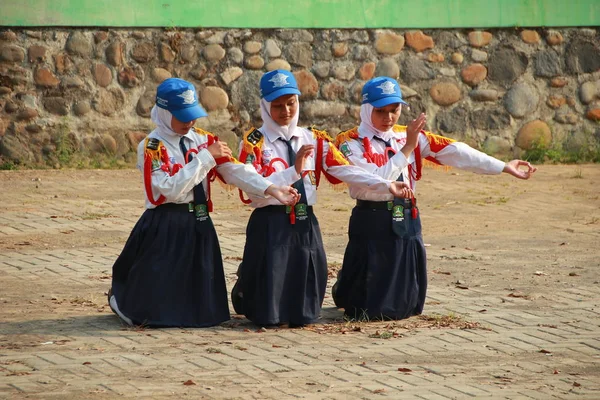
401, 189
514, 168
286, 195
219, 149
304, 152
412, 134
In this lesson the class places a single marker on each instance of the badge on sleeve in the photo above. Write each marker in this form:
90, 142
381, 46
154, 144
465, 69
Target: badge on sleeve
345, 149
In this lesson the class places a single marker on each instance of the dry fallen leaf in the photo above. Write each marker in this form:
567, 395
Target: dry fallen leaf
189, 383
404, 369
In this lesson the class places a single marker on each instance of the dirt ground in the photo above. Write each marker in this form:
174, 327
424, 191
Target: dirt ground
525, 241
530, 237
548, 224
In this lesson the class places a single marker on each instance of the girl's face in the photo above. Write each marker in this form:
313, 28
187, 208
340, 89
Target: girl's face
284, 108
181, 128
384, 118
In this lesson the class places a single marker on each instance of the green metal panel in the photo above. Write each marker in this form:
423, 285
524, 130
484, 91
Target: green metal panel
301, 13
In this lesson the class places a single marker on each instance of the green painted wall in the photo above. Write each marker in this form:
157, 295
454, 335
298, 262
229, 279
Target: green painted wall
301, 13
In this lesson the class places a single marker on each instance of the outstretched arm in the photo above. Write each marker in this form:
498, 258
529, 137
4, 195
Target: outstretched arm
514, 168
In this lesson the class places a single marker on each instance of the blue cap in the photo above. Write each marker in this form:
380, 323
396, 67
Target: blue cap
277, 83
180, 98
381, 91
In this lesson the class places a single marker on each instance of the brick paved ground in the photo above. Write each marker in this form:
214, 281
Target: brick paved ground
512, 311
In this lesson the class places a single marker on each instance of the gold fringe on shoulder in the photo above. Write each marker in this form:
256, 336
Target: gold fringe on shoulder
318, 134
346, 135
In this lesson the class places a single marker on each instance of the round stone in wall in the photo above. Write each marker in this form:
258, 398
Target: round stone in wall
236, 55
214, 98
254, 62
144, 52
387, 67
457, 58
102, 75
145, 103
505, 65
479, 38
554, 38
81, 107
418, 41
547, 64
252, 47
213, 52
530, 36
589, 91
484, 94
160, 74
109, 101
473, 74
521, 100
582, 56
389, 43
57, 105
307, 83
445, 93
344, 71
78, 44
535, 133
271, 48
279, 64
45, 78
114, 53
414, 70
367, 71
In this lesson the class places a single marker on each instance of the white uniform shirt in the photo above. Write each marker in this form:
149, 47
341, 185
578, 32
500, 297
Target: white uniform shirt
454, 154
179, 187
273, 148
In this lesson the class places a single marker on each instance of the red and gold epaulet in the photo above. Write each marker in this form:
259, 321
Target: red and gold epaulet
346, 135
318, 134
152, 148
253, 138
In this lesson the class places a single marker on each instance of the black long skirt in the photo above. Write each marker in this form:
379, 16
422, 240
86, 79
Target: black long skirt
170, 272
283, 275
384, 275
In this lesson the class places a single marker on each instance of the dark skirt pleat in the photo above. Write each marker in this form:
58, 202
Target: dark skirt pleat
383, 276
283, 275
170, 273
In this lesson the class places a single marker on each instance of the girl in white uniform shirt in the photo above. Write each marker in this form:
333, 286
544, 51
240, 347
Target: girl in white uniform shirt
283, 274
170, 272
384, 274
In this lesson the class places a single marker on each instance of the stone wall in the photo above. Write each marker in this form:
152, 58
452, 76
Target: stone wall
83, 96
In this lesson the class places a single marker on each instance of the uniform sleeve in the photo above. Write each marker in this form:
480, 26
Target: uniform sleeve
180, 184
245, 177
390, 171
446, 151
351, 174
